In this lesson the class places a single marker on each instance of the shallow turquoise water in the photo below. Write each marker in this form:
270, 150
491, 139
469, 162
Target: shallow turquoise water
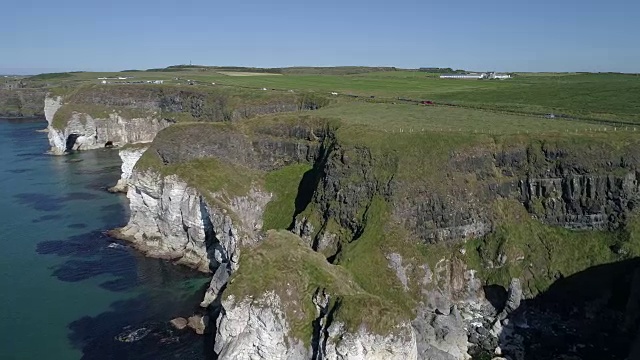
67, 291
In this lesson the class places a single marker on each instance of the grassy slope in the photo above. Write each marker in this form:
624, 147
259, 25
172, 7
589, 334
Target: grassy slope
414, 118
523, 247
283, 184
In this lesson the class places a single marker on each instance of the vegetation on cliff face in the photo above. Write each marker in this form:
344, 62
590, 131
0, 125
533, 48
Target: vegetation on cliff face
538, 254
283, 263
284, 184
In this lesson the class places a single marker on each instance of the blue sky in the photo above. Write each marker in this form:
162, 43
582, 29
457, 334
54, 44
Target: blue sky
517, 35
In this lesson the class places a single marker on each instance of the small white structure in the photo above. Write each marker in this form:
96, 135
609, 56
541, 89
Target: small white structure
501, 76
334, 93
468, 76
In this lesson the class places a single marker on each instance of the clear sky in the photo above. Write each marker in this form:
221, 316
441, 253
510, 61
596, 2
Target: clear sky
515, 35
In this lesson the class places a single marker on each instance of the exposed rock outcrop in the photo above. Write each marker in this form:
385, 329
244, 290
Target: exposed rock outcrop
258, 329
198, 323
129, 157
249, 329
51, 105
441, 337
179, 323
596, 202
92, 116
340, 344
84, 132
170, 219
57, 142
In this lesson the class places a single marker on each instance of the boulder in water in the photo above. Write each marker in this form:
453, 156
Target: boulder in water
198, 323
179, 323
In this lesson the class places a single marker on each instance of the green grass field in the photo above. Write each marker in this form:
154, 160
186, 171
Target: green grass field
406, 118
612, 97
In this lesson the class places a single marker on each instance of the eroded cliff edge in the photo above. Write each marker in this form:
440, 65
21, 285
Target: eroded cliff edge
94, 116
418, 246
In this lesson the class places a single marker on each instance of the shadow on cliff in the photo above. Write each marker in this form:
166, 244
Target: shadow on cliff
591, 315
310, 180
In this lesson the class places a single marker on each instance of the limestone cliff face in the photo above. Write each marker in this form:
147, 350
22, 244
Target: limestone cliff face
340, 344
258, 329
248, 330
84, 132
170, 219
129, 157
51, 106
57, 140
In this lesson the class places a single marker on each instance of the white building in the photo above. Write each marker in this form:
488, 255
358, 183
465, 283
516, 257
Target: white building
476, 76
469, 76
501, 76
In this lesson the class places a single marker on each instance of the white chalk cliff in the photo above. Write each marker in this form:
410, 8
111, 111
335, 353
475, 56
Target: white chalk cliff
129, 157
170, 219
83, 132
249, 329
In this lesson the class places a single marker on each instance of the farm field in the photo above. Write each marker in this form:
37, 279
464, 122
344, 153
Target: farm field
413, 118
613, 97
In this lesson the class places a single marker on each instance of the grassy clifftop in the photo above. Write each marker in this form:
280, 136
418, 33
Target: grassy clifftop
178, 103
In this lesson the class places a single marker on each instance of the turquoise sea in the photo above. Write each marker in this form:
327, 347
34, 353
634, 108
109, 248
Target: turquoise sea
67, 291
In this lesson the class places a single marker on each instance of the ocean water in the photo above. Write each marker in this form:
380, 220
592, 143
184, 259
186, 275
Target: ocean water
67, 291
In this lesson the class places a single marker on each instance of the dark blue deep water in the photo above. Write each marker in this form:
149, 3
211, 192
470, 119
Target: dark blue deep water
67, 291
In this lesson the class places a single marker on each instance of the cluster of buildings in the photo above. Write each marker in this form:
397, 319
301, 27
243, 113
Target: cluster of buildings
476, 76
